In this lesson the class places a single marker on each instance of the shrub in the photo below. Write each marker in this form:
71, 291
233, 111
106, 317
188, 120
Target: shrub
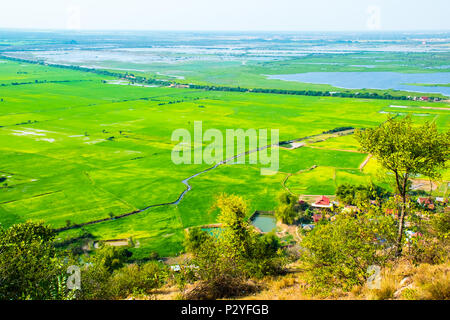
97, 272
357, 195
441, 224
286, 211
30, 267
426, 249
305, 216
135, 279
95, 282
194, 239
112, 257
224, 264
338, 253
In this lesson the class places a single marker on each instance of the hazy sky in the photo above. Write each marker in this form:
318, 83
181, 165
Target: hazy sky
287, 15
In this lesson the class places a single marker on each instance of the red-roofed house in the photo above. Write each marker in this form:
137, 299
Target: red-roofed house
441, 200
393, 212
424, 201
322, 202
317, 217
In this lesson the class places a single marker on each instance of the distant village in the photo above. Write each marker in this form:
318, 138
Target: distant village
325, 208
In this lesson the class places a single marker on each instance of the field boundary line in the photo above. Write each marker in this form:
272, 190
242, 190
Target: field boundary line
32, 197
185, 182
364, 163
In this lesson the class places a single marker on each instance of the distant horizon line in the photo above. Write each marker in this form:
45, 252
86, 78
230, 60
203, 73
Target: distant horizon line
223, 31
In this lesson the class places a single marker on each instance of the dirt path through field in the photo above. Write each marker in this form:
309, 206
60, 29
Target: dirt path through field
364, 163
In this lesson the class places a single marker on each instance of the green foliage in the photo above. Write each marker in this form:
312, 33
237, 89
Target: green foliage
225, 262
441, 224
407, 150
286, 213
235, 236
111, 257
265, 256
357, 195
430, 242
287, 198
97, 272
338, 253
107, 276
287, 210
30, 267
305, 217
135, 279
194, 239
95, 282
26, 233
424, 248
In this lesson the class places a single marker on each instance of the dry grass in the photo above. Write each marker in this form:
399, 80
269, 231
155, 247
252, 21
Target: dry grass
405, 281
389, 285
402, 281
432, 282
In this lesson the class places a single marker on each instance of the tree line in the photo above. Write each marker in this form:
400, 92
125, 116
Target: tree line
153, 81
314, 93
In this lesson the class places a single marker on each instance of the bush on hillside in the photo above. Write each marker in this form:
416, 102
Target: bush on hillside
30, 266
287, 210
224, 264
338, 253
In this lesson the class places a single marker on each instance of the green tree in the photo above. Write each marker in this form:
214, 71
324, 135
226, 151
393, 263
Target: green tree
305, 216
441, 224
286, 213
235, 235
287, 210
345, 193
111, 257
95, 282
137, 279
224, 263
194, 239
30, 267
338, 253
406, 150
97, 272
359, 195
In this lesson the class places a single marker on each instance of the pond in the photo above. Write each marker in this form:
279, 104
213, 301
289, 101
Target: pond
374, 80
264, 222
213, 231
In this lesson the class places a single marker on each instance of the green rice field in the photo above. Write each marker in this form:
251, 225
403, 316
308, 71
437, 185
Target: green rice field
75, 149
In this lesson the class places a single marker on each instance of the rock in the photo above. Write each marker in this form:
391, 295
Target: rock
404, 281
399, 291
